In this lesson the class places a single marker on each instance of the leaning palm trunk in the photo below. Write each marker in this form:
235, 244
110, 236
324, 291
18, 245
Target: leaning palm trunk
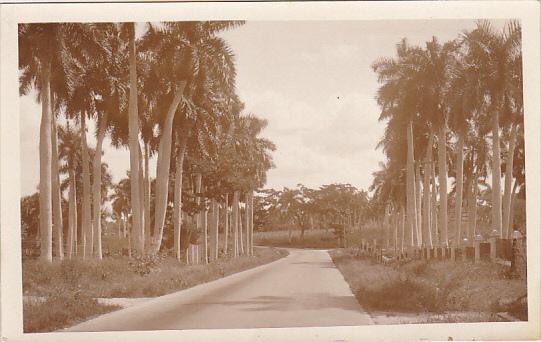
411, 198
72, 209
57, 203
459, 187
45, 156
442, 179
96, 186
496, 177
508, 183
162, 169
235, 222
133, 126
427, 221
512, 211
86, 217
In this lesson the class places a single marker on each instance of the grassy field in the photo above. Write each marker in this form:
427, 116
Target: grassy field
62, 294
441, 290
313, 238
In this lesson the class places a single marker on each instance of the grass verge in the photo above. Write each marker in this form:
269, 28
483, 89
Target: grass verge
436, 287
63, 293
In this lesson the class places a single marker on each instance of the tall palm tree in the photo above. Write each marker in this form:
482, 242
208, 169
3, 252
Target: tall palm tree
69, 144
40, 57
197, 60
495, 55
398, 97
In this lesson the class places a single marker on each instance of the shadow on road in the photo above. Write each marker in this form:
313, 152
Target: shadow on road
312, 301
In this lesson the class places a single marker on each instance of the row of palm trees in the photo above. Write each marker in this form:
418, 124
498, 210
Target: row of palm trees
462, 100
168, 93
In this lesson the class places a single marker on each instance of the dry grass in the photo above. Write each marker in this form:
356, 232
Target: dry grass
57, 312
69, 287
435, 287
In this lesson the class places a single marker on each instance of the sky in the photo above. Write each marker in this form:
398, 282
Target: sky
312, 81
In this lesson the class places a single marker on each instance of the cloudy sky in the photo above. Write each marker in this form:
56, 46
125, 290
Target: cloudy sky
312, 81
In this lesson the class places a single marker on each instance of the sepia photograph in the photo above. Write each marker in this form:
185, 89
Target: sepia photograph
241, 173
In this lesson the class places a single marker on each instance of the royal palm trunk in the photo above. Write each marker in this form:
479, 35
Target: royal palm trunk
213, 230
141, 233
241, 240
204, 223
86, 215
434, 231
496, 177
247, 222
418, 193
57, 202
146, 192
250, 203
226, 224
427, 221
235, 222
177, 210
45, 156
162, 168
96, 187
459, 185
411, 197
133, 127
442, 179
508, 183
72, 216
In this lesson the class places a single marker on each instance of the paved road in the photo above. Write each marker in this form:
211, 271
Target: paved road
303, 289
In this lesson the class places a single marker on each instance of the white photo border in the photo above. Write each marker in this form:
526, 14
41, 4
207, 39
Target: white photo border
527, 12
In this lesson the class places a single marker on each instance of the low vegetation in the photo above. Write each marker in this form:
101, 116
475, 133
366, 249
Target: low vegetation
438, 287
62, 294
313, 238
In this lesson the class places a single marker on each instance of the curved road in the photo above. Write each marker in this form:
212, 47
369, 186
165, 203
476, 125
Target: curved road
303, 289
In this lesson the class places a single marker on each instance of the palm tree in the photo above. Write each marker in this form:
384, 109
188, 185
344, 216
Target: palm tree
40, 49
495, 57
201, 62
398, 98
69, 143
